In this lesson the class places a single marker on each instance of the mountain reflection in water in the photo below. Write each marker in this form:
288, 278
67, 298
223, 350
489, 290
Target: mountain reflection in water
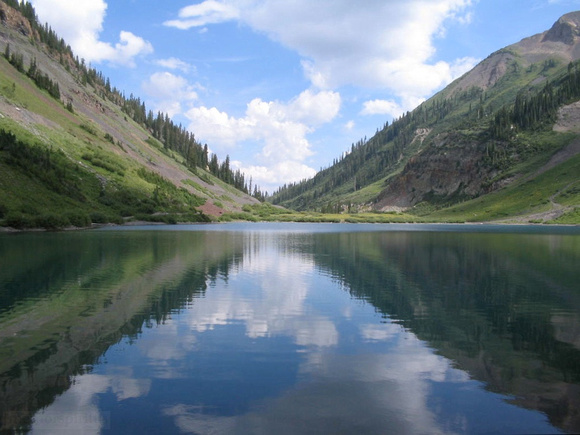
290, 329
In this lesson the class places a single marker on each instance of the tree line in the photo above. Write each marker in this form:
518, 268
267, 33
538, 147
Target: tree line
531, 111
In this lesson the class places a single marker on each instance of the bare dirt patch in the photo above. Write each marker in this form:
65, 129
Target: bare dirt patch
568, 118
210, 209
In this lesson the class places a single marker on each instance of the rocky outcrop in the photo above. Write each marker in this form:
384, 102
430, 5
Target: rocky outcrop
566, 29
561, 41
485, 74
451, 167
14, 20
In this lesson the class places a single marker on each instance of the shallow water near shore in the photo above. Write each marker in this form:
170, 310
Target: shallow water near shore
291, 328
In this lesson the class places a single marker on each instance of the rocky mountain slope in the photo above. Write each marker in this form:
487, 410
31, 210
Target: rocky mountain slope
476, 148
105, 159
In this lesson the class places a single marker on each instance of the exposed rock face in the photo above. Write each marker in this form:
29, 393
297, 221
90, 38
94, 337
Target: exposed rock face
561, 41
566, 29
13, 19
451, 166
486, 74
568, 118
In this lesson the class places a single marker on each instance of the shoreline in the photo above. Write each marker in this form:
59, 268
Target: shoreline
11, 230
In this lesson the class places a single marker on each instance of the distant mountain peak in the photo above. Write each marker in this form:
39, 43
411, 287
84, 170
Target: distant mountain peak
566, 29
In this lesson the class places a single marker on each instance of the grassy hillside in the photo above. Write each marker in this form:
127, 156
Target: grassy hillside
75, 151
536, 200
59, 168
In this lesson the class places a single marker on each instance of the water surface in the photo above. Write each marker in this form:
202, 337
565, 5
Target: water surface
291, 328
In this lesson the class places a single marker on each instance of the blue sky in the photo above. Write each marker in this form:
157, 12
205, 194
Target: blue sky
286, 86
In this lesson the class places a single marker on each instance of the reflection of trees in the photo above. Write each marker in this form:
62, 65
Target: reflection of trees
66, 303
486, 301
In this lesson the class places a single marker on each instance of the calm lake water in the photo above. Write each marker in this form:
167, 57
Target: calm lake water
291, 329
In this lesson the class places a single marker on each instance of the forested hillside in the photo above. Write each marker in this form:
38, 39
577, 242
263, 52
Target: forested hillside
74, 149
498, 127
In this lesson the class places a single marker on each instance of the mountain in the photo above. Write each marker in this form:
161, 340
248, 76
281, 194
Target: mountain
501, 142
74, 150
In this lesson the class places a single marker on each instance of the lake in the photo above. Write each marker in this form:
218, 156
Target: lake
291, 328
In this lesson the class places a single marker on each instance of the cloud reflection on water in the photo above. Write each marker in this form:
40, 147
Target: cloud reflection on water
366, 393
268, 295
388, 385
78, 410
343, 366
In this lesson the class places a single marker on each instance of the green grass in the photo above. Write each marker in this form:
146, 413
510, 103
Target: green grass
570, 195
42, 187
75, 174
364, 195
266, 212
572, 217
24, 93
238, 216
107, 161
523, 198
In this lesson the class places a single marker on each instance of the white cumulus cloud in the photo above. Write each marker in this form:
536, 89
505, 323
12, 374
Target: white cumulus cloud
207, 12
174, 63
282, 172
281, 129
314, 108
387, 45
169, 92
81, 26
381, 107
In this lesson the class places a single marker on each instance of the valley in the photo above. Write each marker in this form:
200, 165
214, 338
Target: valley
500, 144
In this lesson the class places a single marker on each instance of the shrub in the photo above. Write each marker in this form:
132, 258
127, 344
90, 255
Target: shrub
194, 217
105, 161
99, 217
146, 206
19, 221
52, 221
238, 216
170, 219
165, 218
79, 219
89, 129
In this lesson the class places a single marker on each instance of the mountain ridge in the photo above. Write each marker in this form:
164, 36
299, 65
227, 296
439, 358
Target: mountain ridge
566, 29
560, 40
487, 131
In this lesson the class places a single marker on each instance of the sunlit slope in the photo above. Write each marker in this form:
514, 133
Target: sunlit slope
84, 151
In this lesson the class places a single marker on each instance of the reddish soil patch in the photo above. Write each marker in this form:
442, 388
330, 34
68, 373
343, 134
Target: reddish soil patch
211, 209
